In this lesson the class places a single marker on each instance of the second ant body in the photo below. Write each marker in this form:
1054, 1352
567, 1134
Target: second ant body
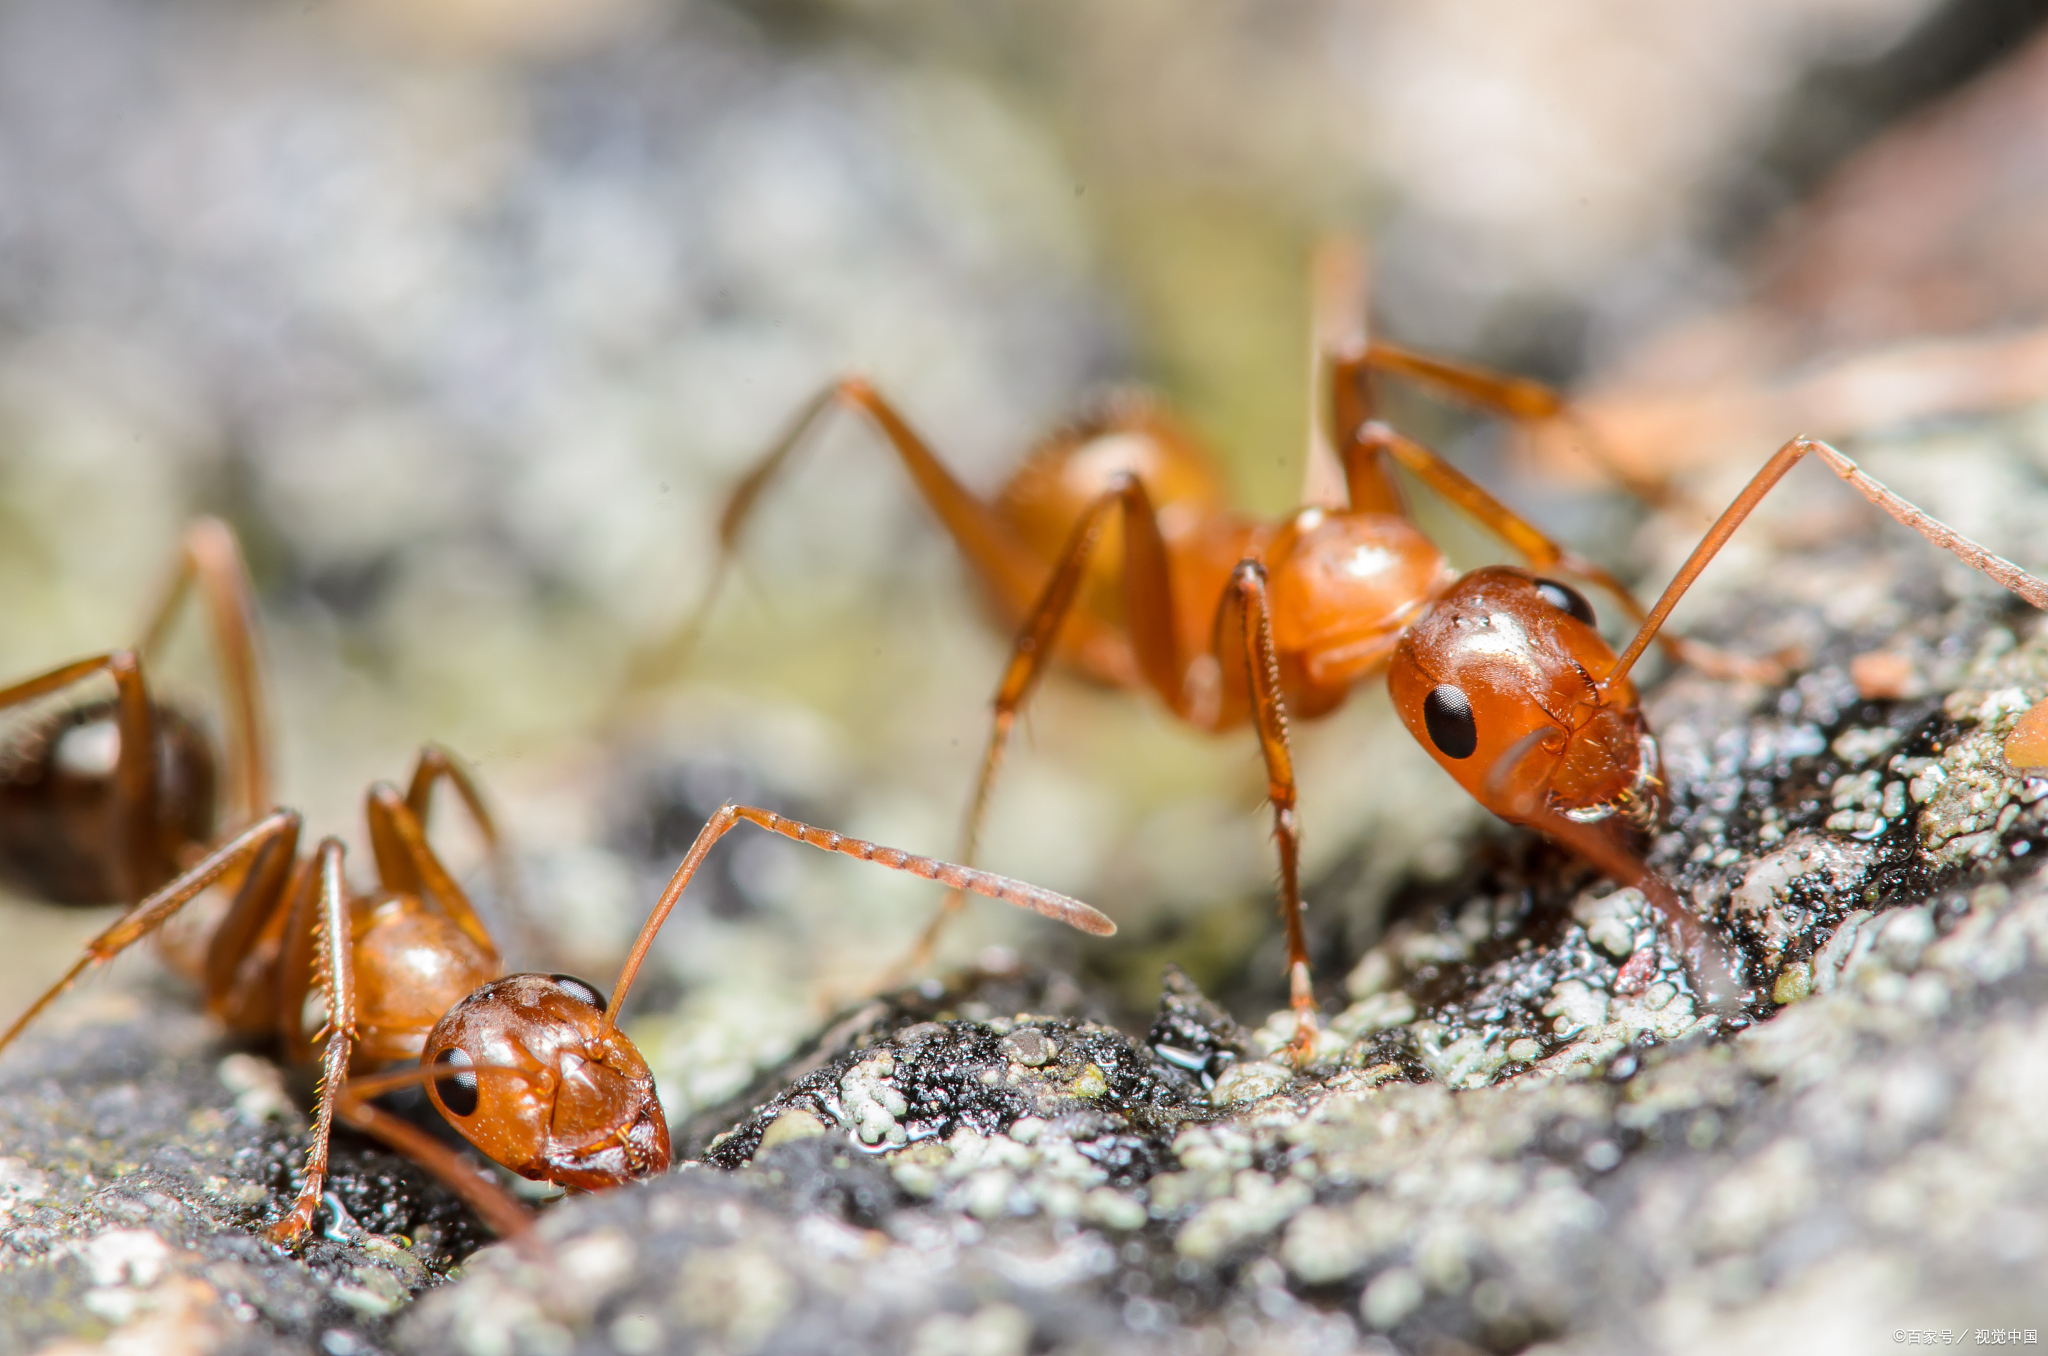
1113, 549
530, 1068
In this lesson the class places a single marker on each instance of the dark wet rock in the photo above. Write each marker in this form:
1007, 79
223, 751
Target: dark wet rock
935, 1083
999, 985
1521, 1127
1870, 1159
1191, 1033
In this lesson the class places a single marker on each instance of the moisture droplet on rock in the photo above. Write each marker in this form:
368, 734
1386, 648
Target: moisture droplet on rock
1029, 1047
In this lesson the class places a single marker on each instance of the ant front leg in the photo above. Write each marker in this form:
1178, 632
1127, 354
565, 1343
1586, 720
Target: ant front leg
1244, 621
493, 1204
324, 896
1522, 799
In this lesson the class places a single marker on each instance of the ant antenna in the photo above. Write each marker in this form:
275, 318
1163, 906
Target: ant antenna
1048, 902
1997, 567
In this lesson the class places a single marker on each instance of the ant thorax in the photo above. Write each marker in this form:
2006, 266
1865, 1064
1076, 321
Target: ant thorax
412, 965
1501, 682
1344, 587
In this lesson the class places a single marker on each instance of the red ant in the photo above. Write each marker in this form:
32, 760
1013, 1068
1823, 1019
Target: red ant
1499, 673
529, 1068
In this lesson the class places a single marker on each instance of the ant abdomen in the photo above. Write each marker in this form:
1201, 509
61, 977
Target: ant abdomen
1067, 472
63, 827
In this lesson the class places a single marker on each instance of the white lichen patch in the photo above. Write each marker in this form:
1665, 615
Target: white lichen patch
1253, 1081
1256, 1205
1972, 797
1618, 923
1275, 1038
260, 1094
1460, 1059
872, 1102
20, 1184
1379, 1011
996, 1176
736, 1295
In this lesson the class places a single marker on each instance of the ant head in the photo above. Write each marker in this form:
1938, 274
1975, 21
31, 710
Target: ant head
1500, 682
543, 1087
1343, 587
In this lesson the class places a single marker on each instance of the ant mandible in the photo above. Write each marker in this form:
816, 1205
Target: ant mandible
1499, 673
530, 1068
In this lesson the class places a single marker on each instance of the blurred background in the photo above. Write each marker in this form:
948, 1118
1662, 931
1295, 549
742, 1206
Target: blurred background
466, 313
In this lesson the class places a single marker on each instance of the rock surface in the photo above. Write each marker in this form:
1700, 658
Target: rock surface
140, 1157
1521, 1129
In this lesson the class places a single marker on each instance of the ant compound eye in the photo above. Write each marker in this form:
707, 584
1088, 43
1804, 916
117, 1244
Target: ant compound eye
581, 991
1565, 598
458, 1093
1447, 714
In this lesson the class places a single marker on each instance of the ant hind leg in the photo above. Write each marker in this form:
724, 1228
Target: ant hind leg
209, 556
991, 548
1148, 591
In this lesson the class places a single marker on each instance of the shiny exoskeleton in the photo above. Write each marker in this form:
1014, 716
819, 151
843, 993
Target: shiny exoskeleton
531, 1068
1113, 549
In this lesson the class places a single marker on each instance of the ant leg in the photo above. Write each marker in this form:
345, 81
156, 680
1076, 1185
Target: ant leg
258, 915
438, 763
1995, 567
1530, 404
1375, 440
1245, 612
335, 973
143, 857
1149, 598
496, 1206
406, 862
993, 550
209, 555
147, 916
1035, 898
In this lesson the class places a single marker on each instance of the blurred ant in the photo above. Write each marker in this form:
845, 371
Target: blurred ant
529, 1068
1112, 548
